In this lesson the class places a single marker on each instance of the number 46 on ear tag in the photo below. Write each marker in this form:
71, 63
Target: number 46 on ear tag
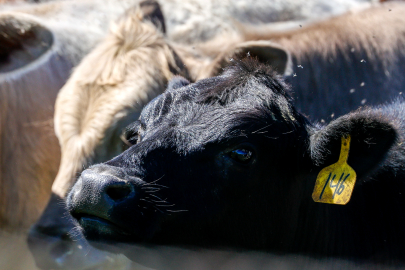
335, 183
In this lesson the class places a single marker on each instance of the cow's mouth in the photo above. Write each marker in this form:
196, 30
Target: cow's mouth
100, 229
105, 234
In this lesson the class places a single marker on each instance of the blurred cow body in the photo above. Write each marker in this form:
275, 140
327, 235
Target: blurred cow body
337, 65
194, 21
36, 62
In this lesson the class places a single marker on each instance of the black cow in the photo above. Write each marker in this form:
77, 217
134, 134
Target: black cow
229, 162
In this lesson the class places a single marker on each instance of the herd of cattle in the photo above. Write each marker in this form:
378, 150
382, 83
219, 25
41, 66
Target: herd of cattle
211, 121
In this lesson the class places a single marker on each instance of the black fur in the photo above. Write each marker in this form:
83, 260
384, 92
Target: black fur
180, 183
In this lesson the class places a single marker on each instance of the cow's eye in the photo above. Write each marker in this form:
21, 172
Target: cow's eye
241, 155
130, 138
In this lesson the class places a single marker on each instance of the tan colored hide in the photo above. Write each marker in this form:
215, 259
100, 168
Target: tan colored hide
29, 153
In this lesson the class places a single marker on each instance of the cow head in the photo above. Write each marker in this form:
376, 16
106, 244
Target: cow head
226, 161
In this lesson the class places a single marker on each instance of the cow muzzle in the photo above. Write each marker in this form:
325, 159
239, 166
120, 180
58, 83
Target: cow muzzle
95, 198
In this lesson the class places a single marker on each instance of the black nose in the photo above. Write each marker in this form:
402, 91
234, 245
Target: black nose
118, 191
100, 189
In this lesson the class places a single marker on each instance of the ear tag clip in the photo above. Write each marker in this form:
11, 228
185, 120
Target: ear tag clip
335, 183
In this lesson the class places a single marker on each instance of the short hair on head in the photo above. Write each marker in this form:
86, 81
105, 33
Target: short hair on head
233, 82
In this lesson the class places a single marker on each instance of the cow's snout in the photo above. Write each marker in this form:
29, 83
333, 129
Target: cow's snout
99, 191
101, 188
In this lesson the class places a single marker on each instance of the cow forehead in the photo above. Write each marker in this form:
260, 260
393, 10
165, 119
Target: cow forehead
189, 126
184, 106
246, 94
197, 123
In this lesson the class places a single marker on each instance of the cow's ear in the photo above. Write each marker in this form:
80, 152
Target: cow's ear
176, 82
22, 41
265, 51
151, 11
371, 135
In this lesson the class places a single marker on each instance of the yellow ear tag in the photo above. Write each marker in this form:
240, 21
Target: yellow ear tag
335, 183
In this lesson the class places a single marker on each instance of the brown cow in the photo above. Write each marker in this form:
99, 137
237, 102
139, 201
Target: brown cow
31, 74
27, 97
339, 65
29, 152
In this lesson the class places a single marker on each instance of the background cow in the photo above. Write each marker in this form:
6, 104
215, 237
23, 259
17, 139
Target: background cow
37, 55
338, 65
229, 162
194, 21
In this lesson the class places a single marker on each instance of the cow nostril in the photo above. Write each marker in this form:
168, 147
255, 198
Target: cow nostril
118, 192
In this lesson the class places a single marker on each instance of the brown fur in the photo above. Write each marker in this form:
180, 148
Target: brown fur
29, 152
374, 30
